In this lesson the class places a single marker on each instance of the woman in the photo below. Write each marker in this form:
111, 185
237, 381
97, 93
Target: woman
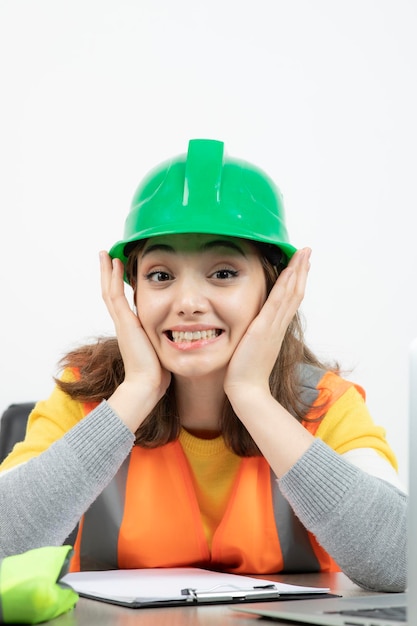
207, 434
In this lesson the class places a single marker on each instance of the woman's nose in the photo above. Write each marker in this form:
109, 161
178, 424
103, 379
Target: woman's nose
190, 298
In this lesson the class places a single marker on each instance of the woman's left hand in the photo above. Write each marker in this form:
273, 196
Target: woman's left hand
257, 351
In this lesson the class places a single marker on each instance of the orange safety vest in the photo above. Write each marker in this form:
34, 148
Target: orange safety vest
148, 516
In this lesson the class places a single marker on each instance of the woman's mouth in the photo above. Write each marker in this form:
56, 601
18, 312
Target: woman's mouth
180, 336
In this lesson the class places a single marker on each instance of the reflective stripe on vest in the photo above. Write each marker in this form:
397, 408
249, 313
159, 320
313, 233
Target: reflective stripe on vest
159, 524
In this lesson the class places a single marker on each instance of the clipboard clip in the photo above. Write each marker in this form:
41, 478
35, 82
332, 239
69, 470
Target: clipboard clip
228, 593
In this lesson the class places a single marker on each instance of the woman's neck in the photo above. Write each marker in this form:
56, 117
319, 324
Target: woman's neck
200, 405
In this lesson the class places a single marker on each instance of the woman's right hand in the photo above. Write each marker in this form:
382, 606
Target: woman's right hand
145, 380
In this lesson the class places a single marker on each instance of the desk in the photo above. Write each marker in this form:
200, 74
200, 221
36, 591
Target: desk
92, 613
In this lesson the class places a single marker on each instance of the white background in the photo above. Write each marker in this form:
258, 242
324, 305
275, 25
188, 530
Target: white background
320, 93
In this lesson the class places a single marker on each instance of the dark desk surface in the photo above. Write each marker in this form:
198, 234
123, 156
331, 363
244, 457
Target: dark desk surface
92, 613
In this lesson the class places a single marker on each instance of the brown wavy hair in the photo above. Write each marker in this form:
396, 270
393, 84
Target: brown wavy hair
101, 371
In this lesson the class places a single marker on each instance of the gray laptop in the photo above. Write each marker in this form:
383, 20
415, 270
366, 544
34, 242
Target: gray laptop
367, 610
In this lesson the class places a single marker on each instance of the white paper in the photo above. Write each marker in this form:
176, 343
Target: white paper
128, 585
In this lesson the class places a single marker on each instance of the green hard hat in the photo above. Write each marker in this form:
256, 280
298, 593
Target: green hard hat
205, 191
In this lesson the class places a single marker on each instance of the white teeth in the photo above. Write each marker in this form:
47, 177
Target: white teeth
179, 335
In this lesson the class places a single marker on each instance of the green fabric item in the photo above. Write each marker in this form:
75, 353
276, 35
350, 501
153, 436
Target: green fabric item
30, 591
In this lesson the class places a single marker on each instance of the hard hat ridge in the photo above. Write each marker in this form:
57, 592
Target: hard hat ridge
203, 172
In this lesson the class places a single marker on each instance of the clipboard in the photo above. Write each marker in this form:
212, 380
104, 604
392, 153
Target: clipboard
171, 587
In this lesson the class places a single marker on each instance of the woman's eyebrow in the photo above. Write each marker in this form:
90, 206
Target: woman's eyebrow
209, 245
223, 243
158, 246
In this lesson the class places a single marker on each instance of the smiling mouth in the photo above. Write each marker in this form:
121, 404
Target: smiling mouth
179, 336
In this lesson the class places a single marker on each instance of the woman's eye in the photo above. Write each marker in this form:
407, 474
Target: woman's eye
224, 274
158, 277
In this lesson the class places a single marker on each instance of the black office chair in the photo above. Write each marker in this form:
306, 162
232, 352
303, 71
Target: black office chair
13, 426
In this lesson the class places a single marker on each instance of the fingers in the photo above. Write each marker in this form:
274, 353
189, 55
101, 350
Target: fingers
112, 287
300, 265
288, 292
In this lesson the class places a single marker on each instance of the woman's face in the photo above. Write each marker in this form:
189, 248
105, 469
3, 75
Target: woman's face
196, 295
